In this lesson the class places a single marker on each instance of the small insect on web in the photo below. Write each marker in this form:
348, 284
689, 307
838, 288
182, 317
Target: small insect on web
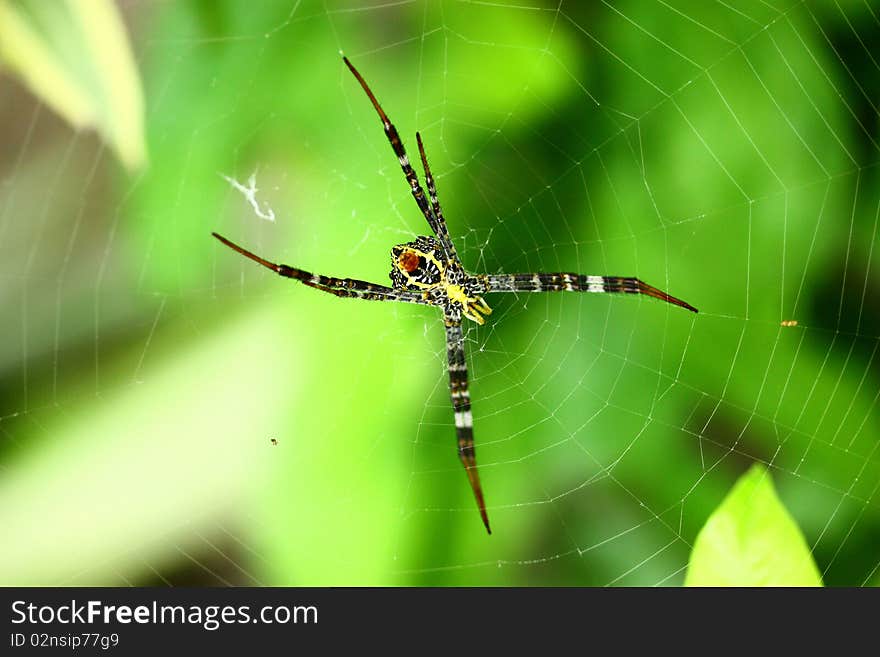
428, 271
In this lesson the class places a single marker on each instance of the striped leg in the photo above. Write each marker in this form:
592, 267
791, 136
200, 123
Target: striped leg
400, 151
461, 404
440, 229
565, 282
340, 287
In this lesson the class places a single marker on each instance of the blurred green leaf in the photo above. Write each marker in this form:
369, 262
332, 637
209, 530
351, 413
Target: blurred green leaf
751, 540
75, 56
108, 479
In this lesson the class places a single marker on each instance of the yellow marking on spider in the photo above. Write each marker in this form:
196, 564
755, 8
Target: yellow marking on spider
455, 293
482, 306
406, 257
471, 306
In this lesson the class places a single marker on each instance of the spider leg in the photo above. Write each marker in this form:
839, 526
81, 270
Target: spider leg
566, 282
440, 229
461, 404
386, 294
396, 143
340, 287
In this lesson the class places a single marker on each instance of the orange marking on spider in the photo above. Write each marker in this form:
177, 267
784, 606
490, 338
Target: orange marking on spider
409, 261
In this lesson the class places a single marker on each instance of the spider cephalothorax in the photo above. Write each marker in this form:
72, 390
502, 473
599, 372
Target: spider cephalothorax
428, 271
421, 265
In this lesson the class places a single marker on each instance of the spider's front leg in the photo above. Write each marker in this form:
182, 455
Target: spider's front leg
340, 287
461, 405
568, 282
433, 214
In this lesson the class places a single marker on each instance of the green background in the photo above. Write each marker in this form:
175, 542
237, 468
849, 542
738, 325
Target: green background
725, 152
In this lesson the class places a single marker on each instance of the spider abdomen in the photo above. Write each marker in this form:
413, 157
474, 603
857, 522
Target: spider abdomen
419, 264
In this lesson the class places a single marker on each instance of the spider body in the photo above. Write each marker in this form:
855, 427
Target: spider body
428, 271
422, 266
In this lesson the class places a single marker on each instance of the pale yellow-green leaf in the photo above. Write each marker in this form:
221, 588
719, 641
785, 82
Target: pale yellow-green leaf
751, 540
26, 53
75, 56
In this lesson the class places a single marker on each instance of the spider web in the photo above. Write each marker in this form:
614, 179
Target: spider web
724, 151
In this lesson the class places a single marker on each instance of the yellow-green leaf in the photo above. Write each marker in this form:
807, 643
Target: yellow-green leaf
751, 540
75, 56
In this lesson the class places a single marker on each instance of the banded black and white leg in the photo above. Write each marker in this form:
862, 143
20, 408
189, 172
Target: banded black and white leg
340, 287
568, 282
440, 229
461, 406
435, 222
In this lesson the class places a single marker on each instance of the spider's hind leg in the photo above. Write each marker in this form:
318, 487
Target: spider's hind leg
461, 405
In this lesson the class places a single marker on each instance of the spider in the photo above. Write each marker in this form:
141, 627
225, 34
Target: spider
428, 271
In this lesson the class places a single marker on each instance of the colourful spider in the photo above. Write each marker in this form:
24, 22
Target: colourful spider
428, 271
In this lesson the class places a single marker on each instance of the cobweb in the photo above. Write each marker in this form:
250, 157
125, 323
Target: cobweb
723, 151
